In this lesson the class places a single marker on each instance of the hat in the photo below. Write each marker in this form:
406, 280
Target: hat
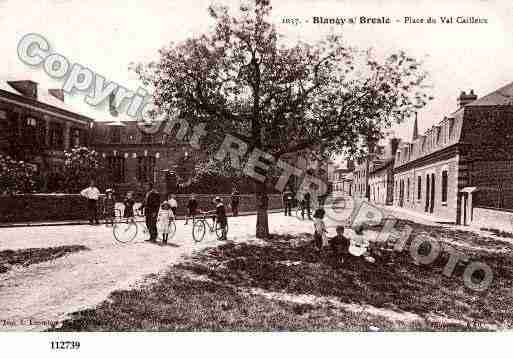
109, 190
218, 198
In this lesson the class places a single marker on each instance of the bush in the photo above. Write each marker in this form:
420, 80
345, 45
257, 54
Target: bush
16, 176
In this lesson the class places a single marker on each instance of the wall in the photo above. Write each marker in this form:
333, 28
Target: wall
447, 211
491, 218
58, 207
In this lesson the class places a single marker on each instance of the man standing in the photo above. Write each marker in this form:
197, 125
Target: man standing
287, 203
151, 206
306, 205
192, 206
92, 193
235, 203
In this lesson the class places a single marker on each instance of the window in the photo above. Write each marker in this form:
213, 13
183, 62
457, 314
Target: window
56, 136
115, 135
444, 187
419, 188
147, 138
408, 190
75, 137
451, 127
116, 165
145, 168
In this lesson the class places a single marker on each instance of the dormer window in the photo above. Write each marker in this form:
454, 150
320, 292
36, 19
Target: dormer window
451, 127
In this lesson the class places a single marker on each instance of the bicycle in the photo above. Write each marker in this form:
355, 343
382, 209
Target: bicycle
125, 229
200, 224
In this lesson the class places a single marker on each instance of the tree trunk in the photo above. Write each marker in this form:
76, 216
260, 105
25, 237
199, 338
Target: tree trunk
262, 201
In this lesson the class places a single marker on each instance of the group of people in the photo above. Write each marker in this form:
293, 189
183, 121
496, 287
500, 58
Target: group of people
158, 215
340, 246
305, 204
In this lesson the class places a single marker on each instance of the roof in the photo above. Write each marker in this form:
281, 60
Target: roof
43, 96
500, 97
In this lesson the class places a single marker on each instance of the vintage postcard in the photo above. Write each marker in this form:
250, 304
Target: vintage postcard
255, 166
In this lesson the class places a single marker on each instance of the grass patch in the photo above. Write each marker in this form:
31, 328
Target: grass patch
498, 232
30, 256
224, 288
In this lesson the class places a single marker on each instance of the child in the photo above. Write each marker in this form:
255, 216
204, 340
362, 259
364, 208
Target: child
221, 215
164, 217
109, 205
173, 203
339, 245
319, 229
129, 202
360, 245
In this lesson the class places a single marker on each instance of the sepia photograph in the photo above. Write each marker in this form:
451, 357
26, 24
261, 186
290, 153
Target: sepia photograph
335, 169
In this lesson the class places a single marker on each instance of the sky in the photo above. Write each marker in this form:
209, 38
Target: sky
107, 36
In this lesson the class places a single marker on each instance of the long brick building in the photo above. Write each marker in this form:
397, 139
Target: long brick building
464, 160
36, 126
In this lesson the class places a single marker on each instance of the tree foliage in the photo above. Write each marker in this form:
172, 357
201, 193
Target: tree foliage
81, 164
246, 79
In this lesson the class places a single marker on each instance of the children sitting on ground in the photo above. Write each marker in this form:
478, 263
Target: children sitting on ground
339, 245
359, 245
165, 216
319, 229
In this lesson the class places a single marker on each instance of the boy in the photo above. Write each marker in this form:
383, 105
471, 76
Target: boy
221, 215
109, 205
339, 245
319, 229
192, 207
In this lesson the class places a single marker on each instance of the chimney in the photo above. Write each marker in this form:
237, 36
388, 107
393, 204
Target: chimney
25, 87
415, 129
465, 99
112, 104
57, 93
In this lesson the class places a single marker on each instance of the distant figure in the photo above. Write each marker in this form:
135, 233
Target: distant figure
165, 216
306, 205
173, 203
235, 203
92, 193
109, 206
151, 207
287, 203
129, 202
192, 207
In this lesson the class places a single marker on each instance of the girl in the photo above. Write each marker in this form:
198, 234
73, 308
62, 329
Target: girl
360, 245
165, 215
319, 229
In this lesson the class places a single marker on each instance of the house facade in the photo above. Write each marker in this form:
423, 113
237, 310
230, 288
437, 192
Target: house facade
460, 162
381, 176
36, 126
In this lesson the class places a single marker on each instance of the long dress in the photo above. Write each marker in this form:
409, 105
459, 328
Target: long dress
165, 216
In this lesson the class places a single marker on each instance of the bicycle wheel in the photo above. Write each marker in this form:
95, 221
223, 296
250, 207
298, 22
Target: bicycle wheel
198, 231
221, 232
124, 232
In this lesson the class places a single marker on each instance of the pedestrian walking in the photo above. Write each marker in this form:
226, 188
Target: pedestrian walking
192, 207
109, 206
235, 203
165, 216
92, 194
151, 207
